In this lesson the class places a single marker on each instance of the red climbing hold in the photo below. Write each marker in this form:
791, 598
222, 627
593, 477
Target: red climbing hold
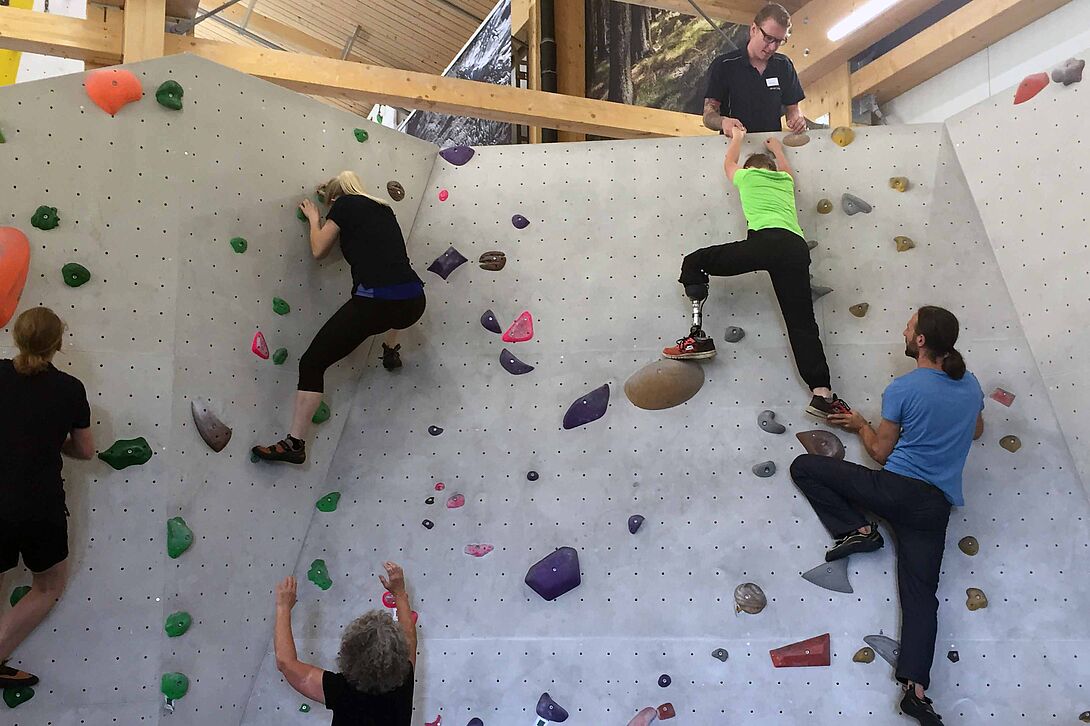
521, 330
388, 599
1030, 87
440, 486
112, 88
259, 346
437, 722
812, 652
14, 263
443, 195
1002, 396
666, 711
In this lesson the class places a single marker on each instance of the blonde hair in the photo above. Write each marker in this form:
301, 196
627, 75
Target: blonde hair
347, 182
38, 333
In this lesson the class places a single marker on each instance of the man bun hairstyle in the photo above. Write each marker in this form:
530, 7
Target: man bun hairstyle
776, 12
939, 328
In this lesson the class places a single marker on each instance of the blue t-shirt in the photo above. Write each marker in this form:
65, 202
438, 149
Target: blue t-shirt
938, 417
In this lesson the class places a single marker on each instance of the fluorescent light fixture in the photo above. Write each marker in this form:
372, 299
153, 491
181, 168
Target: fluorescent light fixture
859, 17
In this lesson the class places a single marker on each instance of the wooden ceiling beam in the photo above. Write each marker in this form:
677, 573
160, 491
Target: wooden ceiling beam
97, 41
728, 11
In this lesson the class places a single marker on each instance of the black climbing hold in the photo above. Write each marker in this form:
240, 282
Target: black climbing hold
457, 155
590, 407
45, 218
493, 261
765, 469
75, 274
549, 709
734, 334
831, 575
767, 421
520, 222
429, 500
475, 722
513, 365
304, 708
720, 654
953, 656
169, 94
447, 263
360, 135
488, 320
434, 430
884, 646
214, 432
852, 204
127, 452
664, 681
634, 523
428, 524
396, 191
531, 475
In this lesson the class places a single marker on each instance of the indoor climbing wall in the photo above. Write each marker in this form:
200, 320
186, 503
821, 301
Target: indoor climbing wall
153, 202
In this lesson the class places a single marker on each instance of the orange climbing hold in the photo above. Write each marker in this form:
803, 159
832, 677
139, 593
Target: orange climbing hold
112, 88
521, 330
812, 652
1030, 87
14, 263
666, 711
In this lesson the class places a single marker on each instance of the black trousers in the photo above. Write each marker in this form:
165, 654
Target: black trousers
918, 514
356, 321
786, 258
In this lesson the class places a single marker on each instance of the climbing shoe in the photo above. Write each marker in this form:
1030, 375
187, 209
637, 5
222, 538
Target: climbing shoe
856, 542
920, 708
825, 407
282, 450
11, 678
391, 358
699, 347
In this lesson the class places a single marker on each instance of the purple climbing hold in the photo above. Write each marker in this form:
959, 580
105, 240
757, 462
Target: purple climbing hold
434, 430
520, 222
590, 407
531, 475
634, 523
513, 365
447, 263
488, 320
457, 155
664, 681
475, 722
555, 574
549, 709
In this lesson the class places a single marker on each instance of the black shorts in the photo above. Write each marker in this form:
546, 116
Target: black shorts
41, 543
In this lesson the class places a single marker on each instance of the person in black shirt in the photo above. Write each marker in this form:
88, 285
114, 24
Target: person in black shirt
386, 295
750, 88
45, 414
376, 663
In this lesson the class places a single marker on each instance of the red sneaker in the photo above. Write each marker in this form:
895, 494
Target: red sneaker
691, 348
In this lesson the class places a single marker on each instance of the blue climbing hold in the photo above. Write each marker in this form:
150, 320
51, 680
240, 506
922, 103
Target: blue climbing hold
555, 574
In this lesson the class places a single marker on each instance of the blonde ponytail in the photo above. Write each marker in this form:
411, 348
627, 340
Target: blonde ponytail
38, 333
347, 182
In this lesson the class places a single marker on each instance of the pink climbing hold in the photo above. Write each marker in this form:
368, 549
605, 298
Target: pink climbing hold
259, 346
521, 330
455, 501
443, 195
1004, 397
437, 722
478, 550
440, 486
1030, 87
388, 599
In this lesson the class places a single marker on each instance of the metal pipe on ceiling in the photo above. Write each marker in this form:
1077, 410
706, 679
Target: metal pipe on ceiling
460, 10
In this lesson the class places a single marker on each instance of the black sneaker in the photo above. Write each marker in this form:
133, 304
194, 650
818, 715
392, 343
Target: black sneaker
391, 358
281, 451
698, 347
855, 543
824, 407
11, 678
920, 708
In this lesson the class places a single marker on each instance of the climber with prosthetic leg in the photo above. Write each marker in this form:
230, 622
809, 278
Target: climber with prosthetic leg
766, 185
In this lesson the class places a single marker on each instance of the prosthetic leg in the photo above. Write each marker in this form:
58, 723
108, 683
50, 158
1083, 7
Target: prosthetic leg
697, 295
697, 345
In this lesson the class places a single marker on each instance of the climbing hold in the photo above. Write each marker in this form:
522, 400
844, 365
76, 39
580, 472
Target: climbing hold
734, 334
666, 711
765, 469
521, 330
456, 501
1029, 87
174, 685
824, 206
555, 574
319, 575
1070, 72
975, 599
590, 407
1004, 397
720, 654
864, 655
259, 347
549, 709
644, 718
475, 722
179, 537
520, 222
969, 545
444, 195
389, 600
322, 414
884, 646
819, 291
395, 190
434, 431
904, 244
899, 183
852, 204
531, 476
239, 244
75, 274
169, 94
437, 722
14, 265
1085, 716
2, 139
177, 623
488, 320
796, 140
127, 452
767, 421
360, 134
45, 218
811, 244
493, 261
634, 523
300, 216
843, 135
440, 486
811, 652
830, 575
279, 356
328, 503
859, 309
16, 696
429, 501
304, 708
822, 443
513, 365
749, 598
478, 550
428, 524
664, 384
447, 263
1011, 443
457, 155
214, 432
280, 306
18, 594
112, 88
664, 681
953, 656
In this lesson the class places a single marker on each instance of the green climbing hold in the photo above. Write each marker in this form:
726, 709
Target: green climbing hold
179, 537
169, 94
361, 135
45, 218
16, 696
18, 594
2, 139
299, 213
305, 708
177, 623
280, 307
238, 244
319, 575
127, 452
328, 503
279, 356
174, 685
322, 414
75, 274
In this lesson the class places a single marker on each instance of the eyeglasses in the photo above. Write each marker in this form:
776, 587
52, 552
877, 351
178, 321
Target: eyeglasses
772, 39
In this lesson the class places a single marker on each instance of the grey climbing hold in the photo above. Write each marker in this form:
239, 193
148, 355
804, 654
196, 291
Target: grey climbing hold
1070, 71
720, 654
852, 204
734, 334
884, 646
767, 421
549, 709
634, 523
811, 244
831, 575
749, 598
214, 432
819, 291
765, 469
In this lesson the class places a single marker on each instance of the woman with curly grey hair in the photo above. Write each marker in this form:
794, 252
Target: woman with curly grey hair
376, 662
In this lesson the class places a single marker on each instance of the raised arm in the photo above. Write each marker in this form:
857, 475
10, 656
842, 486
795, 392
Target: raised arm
322, 236
394, 581
303, 677
734, 151
776, 148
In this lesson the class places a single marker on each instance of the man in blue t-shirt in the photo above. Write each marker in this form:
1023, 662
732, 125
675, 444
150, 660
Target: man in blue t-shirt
930, 417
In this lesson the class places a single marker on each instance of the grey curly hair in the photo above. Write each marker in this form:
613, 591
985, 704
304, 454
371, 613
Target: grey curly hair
374, 657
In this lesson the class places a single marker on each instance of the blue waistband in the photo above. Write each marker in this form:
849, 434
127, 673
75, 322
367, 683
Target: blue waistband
400, 291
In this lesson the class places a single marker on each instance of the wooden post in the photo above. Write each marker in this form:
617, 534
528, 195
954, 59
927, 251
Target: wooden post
145, 22
571, 58
533, 55
831, 94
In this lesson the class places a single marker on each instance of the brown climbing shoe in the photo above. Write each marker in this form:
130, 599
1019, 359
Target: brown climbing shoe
11, 678
825, 407
391, 357
920, 708
855, 543
281, 451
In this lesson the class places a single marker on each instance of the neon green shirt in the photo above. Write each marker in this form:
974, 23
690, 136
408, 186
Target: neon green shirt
768, 199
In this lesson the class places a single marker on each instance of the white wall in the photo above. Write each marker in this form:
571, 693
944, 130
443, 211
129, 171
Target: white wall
34, 67
1037, 47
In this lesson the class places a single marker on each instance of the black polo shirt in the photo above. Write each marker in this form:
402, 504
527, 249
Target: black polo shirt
755, 99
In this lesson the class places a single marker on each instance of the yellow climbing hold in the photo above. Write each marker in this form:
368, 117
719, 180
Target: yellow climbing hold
976, 599
904, 244
899, 183
843, 135
864, 655
824, 206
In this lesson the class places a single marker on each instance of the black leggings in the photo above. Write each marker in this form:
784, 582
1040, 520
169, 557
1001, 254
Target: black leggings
356, 321
786, 258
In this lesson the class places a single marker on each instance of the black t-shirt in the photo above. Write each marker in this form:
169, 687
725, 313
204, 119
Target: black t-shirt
352, 708
372, 243
36, 416
755, 99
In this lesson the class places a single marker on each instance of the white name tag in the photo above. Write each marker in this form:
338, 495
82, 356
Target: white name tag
772, 82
